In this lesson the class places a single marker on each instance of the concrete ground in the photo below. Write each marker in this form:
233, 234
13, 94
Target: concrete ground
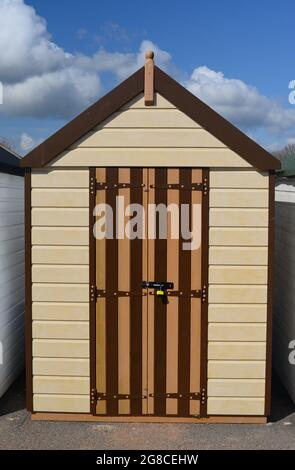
17, 431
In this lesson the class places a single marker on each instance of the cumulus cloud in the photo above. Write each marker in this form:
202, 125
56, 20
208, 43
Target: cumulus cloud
240, 103
41, 79
27, 142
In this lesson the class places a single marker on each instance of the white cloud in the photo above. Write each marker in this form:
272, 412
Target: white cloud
27, 142
41, 79
240, 103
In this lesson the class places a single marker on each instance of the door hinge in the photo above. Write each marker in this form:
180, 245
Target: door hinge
102, 186
204, 294
100, 293
205, 186
179, 187
190, 396
203, 396
99, 396
176, 293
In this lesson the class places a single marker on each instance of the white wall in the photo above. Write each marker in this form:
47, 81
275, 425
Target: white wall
284, 294
11, 279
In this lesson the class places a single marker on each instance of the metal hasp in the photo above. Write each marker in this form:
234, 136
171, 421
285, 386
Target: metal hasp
157, 285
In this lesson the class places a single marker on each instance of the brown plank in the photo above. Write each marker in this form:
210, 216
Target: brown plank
28, 293
145, 261
195, 352
111, 268
124, 303
204, 305
147, 419
160, 328
150, 302
136, 252
100, 306
184, 305
92, 284
172, 307
271, 248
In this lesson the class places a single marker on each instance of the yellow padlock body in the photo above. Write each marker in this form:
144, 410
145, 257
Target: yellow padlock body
160, 292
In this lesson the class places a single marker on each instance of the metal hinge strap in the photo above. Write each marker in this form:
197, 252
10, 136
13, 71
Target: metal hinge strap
103, 186
121, 293
183, 294
190, 396
118, 396
179, 187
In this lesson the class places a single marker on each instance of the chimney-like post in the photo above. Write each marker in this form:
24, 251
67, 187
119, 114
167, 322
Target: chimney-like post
149, 79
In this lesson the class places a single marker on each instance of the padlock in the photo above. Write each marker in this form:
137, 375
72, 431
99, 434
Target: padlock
160, 292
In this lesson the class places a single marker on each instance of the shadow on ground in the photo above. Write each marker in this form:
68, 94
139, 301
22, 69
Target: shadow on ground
15, 398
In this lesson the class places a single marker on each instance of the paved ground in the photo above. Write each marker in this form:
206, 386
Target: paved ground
17, 431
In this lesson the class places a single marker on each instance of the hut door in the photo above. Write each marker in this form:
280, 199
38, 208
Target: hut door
147, 338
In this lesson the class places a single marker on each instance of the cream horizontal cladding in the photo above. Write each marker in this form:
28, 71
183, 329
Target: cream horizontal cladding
61, 403
73, 311
238, 236
61, 348
232, 387
159, 135
75, 274
60, 290
238, 276
235, 406
61, 385
72, 236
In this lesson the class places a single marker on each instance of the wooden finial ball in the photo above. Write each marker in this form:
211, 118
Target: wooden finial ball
149, 54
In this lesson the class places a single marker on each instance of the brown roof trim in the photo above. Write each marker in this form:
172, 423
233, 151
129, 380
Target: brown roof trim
210, 120
85, 122
185, 101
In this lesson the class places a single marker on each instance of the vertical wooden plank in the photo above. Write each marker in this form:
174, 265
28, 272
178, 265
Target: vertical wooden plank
184, 326
28, 292
271, 248
100, 306
92, 286
172, 307
112, 302
124, 303
204, 275
160, 329
136, 180
150, 301
145, 298
195, 350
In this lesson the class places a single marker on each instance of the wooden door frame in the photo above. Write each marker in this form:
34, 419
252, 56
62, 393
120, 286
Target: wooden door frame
204, 303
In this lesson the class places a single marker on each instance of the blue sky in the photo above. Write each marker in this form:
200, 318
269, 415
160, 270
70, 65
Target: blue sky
60, 56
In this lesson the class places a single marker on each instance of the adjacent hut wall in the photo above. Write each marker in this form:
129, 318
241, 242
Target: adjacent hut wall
60, 291
11, 279
284, 299
154, 136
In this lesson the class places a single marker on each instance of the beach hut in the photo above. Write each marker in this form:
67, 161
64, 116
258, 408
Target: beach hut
284, 299
11, 268
141, 323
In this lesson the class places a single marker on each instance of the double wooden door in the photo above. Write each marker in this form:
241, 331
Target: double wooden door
148, 340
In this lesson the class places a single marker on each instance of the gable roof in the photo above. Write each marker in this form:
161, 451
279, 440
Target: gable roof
9, 161
179, 96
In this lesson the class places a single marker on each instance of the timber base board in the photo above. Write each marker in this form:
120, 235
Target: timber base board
147, 419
